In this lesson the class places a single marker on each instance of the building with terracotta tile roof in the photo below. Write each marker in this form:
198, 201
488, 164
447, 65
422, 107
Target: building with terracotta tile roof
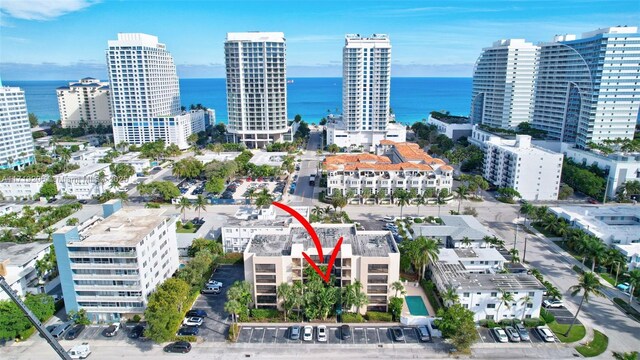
397, 166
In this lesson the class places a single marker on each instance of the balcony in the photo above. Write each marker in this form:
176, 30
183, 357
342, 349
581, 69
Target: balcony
104, 298
102, 254
104, 277
108, 287
104, 266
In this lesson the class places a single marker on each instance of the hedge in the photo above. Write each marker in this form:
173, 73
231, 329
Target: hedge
231, 258
379, 316
189, 338
418, 220
547, 316
534, 322
263, 314
352, 318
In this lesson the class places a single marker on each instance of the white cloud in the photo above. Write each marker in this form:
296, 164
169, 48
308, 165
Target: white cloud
42, 9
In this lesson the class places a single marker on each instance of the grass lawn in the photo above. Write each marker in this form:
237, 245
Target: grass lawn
544, 231
186, 231
577, 332
596, 346
608, 277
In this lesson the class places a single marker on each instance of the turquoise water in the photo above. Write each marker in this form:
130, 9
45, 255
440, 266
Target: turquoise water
416, 306
411, 98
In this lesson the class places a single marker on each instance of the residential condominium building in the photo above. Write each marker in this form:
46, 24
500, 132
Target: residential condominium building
111, 268
18, 267
84, 103
403, 166
16, 141
456, 231
515, 163
453, 127
366, 92
503, 84
256, 70
247, 221
474, 274
145, 94
372, 257
587, 89
85, 182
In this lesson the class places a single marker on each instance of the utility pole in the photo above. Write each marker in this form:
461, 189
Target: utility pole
515, 239
524, 254
34, 320
606, 189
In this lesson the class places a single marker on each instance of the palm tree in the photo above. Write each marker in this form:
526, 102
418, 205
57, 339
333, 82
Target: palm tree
366, 193
114, 184
200, 204
428, 251
588, 285
634, 282
421, 199
264, 198
285, 292
317, 211
360, 298
381, 194
251, 193
233, 307
102, 179
297, 299
466, 241
554, 292
514, 255
527, 210
348, 297
450, 296
462, 194
398, 287
525, 300
595, 249
183, 205
506, 298
403, 199
625, 356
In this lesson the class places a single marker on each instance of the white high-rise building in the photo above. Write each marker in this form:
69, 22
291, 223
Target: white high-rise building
145, 94
503, 84
84, 103
587, 89
256, 87
366, 91
16, 141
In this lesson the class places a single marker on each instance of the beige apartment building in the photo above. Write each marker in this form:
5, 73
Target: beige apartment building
372, 257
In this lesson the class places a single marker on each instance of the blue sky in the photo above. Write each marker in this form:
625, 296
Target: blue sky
66, 39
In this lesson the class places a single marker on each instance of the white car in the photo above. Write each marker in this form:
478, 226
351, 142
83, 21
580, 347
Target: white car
307, 334
500, 335
193, 321
552, 303
546, 334
389, 219
322, 333
214, 283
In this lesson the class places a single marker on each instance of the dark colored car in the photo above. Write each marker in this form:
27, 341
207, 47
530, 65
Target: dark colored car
178, 347
74, 332
345, 330
294, 332
196, 312
112, 330
83, 201
188, 331
136, 332
423, 333
397, 333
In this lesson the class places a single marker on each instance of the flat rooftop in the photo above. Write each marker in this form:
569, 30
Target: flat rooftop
619, 222
454, 256
250, 216
455, 226
363, 243
456, 275
268, 158
20, 254
208, 157
85, 170
126, 227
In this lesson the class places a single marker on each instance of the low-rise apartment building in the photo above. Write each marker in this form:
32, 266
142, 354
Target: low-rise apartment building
85, 182
249, 220
454, 127
474, 275
18, 267
403, 166
372, 257
111, 267
89, 156
17, 188
456, 231
515, 163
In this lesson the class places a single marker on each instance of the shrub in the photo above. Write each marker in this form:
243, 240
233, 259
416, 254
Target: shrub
491, 324
136, 318
231, 258
418, 220
533, 322
234, 331
189, 338
547, 316
25, 334
263, 314
352, 318
379, 316
188, 225
577, 269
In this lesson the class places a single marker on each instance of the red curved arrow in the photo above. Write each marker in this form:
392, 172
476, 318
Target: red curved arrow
316, 240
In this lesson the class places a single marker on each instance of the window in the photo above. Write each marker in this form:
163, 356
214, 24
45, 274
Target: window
465, 294
494, 294
491, 306
265, 268
531, 293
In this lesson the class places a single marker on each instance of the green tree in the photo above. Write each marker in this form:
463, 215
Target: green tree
165, 309
49, 189
72, 221
507, 194
633, 355
202, 244
525, 300
238, 299
462, 194
450, 296
397, 287
264, 198
634, 282
187, 168
214, 185
402, 197
395, 307
506, 298
200, 204
33, 120
333, 148
79, 317
183, 205
285, 293
588, 285
456, 323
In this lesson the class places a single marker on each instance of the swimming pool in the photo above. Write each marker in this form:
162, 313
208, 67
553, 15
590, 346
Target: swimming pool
416, 306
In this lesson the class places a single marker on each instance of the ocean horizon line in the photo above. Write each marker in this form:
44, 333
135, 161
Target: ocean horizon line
289, 78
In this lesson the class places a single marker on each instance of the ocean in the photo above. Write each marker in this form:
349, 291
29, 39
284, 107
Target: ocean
412, 99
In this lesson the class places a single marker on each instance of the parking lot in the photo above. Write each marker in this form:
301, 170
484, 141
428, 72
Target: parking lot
269, 334
487, 336
562, 315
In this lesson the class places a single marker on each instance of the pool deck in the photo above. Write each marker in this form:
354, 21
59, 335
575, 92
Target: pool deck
416, 291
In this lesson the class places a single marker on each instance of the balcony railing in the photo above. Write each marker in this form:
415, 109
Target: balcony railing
104, 266
97, 254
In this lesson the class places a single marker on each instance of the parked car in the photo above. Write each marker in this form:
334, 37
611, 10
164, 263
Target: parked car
188, 331
389, 219
322, 333
112, 330
83, 202
80, 351
136, 332
423, 333
214, 283
73, 333
197, 312
307, 335
178, 347
592, 201
552, 303
294, 332
624, 287
397, 334
523, 332
500, 335
193, 321
345, 331
60, 329
210, 289
545, 334
512, 334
